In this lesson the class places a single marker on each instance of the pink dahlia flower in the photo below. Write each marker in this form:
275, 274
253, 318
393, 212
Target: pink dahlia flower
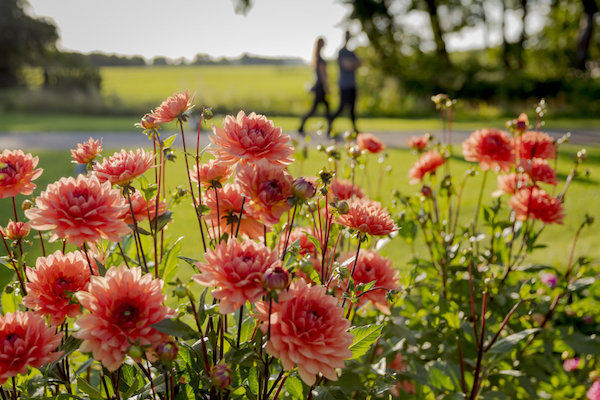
170, 109
306, 246
539, 170
123, 305
533, 144
236, 270
373, 267
87, 151
344, 190
535, 203
212, 173
25, 341
121, 168
230, 204
15, 230
571, 364
368, 217
593, 392
249, 138
80, 210
369, 142
17, 170
511, 183
549, 279
491, 148
54, 281
426, 164
419, 143
142, 209
308, 329
269, 187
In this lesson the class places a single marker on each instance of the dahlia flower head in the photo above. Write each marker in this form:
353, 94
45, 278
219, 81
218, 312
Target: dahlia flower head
17, 171
539, 171
534, 144
428, 163
533, 202
571, 364
419, 143
172, 108
369, 142
368, 217
511, 183
87, 151
15, 230
250, 138
370, 267
25, 341
53, 282
593, 392
80, 210
142, 209
236, 270
491, 148
268, 187
308, 329
230, 203
123, 167
122, 307
549, 279
211, 174
344, 190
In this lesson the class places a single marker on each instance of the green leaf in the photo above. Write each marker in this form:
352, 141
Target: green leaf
168, 142
88, 389
175, 327
253, 380
581, 283
163, 220
294, 388
191, 261
583, 344
508, 343
364, 337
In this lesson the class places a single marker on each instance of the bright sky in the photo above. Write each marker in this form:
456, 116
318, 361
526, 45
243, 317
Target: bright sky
176, 28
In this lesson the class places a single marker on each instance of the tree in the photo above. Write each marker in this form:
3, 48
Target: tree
23, 40
586, 29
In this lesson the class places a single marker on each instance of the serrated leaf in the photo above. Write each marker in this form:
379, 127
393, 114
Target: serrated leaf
508, 343
294, 388
253, 380
175, 327
168, 142
364, 337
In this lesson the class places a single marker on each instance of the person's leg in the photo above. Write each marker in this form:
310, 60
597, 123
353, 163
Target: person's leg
352, 103
338, 111
312, 110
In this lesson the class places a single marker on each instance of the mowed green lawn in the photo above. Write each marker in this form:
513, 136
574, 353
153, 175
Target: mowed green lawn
581, 195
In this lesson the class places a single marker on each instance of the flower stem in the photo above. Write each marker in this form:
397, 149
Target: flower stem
87, 257
237, 229
12, 260
485, 174
289, 232
136, 235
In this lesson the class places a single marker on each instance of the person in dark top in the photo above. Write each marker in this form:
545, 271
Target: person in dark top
321, 86
348, 63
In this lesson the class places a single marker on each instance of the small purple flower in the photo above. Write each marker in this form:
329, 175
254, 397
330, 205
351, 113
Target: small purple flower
549, 279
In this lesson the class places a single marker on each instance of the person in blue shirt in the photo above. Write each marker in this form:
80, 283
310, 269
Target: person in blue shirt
321, 86
348, 63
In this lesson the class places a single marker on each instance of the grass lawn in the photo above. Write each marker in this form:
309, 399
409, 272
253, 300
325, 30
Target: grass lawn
557, 238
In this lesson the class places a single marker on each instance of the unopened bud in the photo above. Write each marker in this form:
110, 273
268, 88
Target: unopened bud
180, 291
167, 352
221, 376
136, 352
27, 204
207, 113
148, 121
276, 279
16, 230
354, 152
426, 191
343, 207
325, 176
303, 189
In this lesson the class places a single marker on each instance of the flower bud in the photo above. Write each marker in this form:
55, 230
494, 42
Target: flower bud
27, 204
180, 291
303, 189
276, 279
207, 113
136, 352
354, 151
16, 230
221, 376
426, 191
343, 207
167, 352
148, 121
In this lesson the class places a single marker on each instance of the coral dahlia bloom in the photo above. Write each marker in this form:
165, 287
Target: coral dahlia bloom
491, 148
308, 329
54, 281
368, 217
123, 305
370, 267
236, 270
369, 142
17, 170
15, 230
539, 170
426, 164
249, 138
593, 392
25, 341
535, 203
344, 190
269, 187
87, 151
418, 143
533, 144
212, 173
80, 210
230, 204
142, 209
301, 234
511, 183
121, 168
173, 107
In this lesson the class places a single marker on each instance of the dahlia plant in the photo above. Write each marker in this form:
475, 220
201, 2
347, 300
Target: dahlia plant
292, 296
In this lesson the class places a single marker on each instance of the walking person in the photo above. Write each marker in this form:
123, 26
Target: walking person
321, 86
348, 63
